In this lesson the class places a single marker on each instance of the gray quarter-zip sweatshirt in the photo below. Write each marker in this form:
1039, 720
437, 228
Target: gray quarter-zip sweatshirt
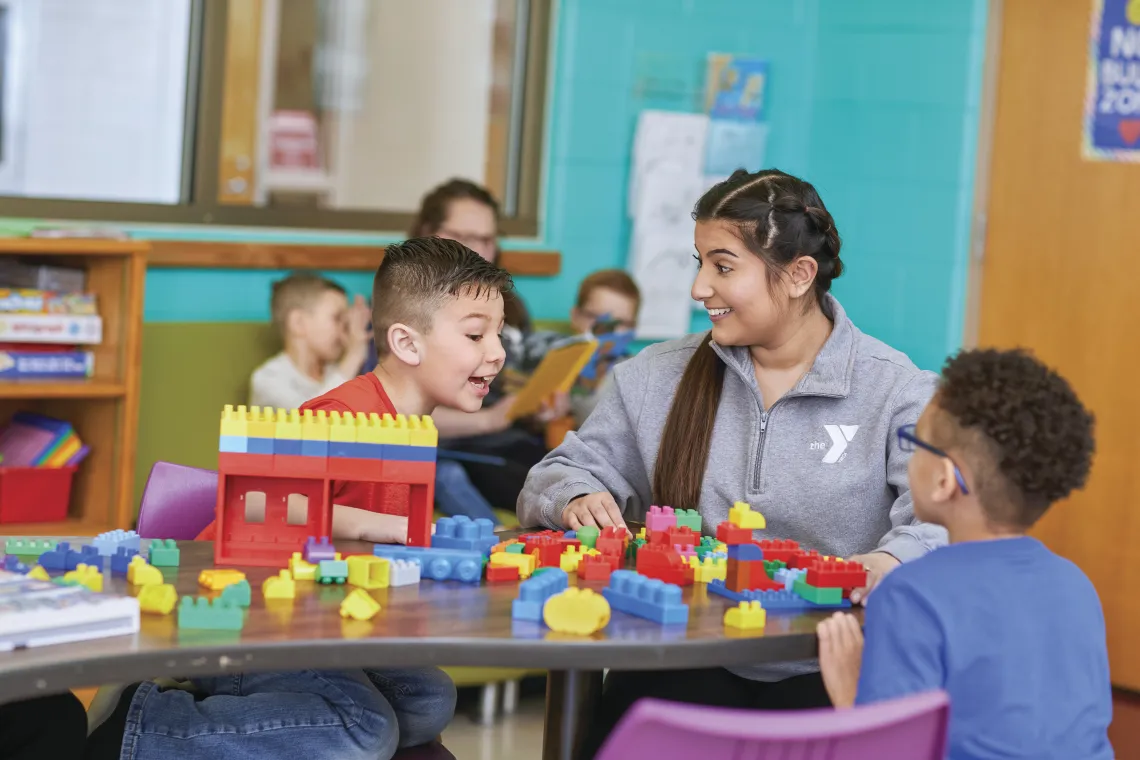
822, 464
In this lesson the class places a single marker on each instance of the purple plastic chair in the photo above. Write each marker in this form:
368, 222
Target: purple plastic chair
911, 728
178, 501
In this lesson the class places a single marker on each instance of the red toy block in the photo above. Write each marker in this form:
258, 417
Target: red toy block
665, 564
836, 573
778, 549
758, 579
499, 573
525, 537
548, 549
596, 567
612, 540
727, 533
802, 560
676, 536
738, 575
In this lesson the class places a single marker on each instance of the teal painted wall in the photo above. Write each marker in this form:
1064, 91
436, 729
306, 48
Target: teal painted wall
875, 101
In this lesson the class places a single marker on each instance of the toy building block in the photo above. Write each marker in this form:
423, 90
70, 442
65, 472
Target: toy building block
368, 571
747, 616
733, 534
88, 555
108, 543
29, 547
13, 564
332, 570
503, 546
588, 535
664, 564
159, 599
439, 564
802, 560
61, 557
86, 575
788, 577
302, 570
461, 532
570, 534
660, 518
316, 550
573, 555
596, 567
746, 552
649, 598
403, 572
685, 552
837, 574
139, 573
688, 518
778, 549
708, 569
534, 592
516, 548
612, 540
39, 574
546, 550
771, 566
121, 559
526, 563
502, 573
238, 594
280, 586
359, 605
817, 595
163, 553
576, 610
774, 601
682, 536
742, 516
209, 615
217, 578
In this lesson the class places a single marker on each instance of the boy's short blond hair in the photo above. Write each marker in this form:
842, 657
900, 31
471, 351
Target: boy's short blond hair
617, 280
297, 291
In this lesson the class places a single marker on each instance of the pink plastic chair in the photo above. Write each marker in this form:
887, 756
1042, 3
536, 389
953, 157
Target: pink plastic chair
178, 501
913, 727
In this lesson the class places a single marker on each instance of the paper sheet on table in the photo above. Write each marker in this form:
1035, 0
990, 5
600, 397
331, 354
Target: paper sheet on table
665, 139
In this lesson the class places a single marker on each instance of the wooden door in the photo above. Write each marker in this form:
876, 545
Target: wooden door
1061, 275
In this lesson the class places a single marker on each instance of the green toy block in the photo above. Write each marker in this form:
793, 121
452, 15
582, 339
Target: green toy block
163, 552
332, 571
688, 518
516, 548
772, 565
237, 594
209, 615
27, 547
634, 546
707, 545
588, 535
818, 595
60, 581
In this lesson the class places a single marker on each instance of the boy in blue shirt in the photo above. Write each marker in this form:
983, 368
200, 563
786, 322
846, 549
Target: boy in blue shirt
1014, 633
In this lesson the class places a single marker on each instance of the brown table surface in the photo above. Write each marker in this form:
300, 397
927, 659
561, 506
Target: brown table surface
447, 623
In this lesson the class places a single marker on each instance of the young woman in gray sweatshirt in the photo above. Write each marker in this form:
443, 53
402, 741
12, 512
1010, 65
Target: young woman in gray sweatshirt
784, 404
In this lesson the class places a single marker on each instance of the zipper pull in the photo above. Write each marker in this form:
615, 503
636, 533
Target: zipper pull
763, 421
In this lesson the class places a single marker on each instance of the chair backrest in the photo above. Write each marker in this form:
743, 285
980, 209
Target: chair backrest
178, 501
913, 727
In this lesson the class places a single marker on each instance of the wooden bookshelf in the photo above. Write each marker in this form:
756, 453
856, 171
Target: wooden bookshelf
104, 408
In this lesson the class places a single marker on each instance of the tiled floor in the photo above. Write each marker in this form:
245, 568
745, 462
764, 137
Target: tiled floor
512, 737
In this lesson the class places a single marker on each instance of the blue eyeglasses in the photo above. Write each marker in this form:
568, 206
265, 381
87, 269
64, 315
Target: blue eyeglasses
909, 441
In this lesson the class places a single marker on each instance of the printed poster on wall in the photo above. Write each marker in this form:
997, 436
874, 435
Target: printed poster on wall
1112, 109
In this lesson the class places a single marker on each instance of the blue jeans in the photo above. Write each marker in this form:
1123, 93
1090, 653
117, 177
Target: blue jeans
455, 494
301, 715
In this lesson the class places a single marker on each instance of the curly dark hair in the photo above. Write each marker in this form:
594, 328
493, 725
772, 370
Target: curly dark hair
1027, 437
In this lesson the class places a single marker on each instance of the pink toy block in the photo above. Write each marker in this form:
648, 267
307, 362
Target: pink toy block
660, 518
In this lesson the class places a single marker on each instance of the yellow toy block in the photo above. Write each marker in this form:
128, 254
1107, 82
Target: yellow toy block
742, 516
86, 575
368, 572
641, 533
747, 616
262, 423
394, 430
720, 547
217, 578
576, 610
572, 556
139, 573
300, 569
159, 599
235, 421
368, 428
39, 574
526, 563
287, 426
314, 426
422, 432
359, 605
280, 586
342, 427
713, 568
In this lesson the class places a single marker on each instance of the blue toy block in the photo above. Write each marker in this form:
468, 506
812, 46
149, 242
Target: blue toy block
88, 555
287, 446
438, 564
773, 601
121, 560
399, 453
461, 532
59, 558
341, 449
13, 564
745, 552
570, 534
356, 450
314, 448
332, 571
163, 552
108, 543
259, 445
650, 598
534, 591
788, 576
315, 550
233, 444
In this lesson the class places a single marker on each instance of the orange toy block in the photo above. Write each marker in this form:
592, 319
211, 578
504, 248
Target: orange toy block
502, 573
218, 578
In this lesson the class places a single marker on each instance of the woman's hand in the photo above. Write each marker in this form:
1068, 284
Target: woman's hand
598, 509
878, 564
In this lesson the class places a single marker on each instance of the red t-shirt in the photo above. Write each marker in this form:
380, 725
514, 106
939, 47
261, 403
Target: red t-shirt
361, 394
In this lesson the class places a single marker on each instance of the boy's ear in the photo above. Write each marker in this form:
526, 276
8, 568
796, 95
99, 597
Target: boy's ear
295, 322
404, 343
945, 482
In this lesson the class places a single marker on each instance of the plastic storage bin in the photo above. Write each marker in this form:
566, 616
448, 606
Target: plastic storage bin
35, 494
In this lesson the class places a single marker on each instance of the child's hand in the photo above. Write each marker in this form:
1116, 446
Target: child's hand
359, 315
840, 657
496, 416
878, 564
361, 525
598, 509
558, 405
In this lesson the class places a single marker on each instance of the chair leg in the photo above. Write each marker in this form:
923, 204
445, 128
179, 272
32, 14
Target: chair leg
488, 704
510, 697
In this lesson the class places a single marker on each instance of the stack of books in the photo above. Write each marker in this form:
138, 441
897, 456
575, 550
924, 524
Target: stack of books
33, 440
43, 333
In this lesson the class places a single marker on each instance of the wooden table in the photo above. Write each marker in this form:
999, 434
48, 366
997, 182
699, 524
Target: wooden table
433, 623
